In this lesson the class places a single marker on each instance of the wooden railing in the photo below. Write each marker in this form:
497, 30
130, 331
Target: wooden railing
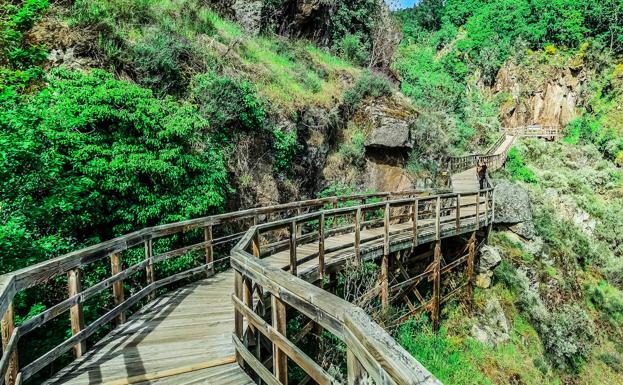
535, 131
370, 350
461, 163
206, 234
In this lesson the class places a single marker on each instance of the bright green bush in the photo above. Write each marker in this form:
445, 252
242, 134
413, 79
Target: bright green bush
517, 168
351, 48
15, 51
354, 151
285, 148
609, 300
89, 157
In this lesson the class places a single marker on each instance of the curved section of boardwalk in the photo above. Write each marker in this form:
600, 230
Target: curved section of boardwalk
185, 336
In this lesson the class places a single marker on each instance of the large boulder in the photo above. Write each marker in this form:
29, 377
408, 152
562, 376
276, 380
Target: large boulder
249, 15
489, 258
390, 121
390, 133
512, 204
492, 327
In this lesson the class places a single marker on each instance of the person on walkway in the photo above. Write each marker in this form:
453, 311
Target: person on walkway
482, 173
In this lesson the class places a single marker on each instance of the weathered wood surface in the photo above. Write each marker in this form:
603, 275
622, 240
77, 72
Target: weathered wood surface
187, 327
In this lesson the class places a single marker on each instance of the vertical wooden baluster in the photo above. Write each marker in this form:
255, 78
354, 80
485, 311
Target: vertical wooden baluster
354, 369
414, 213
487, 208
149, 270
357, 236
117, 287
436, 286
238, 320
247, 299
280, 360
8, 325
471, 257
321, 248
478, 210
438, 218
458, 213
385, 261
334, 225
363, 214
207, 236
74, 281
299, 229
293, 260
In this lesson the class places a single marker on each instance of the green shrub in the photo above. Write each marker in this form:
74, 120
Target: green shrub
285, 148
159, 61
352, 49
609, 300
354, 152
15, 51
368, 85
568, 338
517, 168
228, 104
89, 157
441, 355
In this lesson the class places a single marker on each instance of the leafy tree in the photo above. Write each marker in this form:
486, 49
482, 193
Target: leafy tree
89, 157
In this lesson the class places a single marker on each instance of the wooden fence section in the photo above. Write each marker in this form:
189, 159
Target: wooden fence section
495, 156
401, 224
210, 232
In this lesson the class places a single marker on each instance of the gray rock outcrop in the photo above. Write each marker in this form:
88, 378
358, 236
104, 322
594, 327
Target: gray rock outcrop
489, 258
512, 204
249, 15
492, 327
391, 126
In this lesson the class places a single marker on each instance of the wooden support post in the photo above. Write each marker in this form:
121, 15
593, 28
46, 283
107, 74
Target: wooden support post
471, 257
487, 207
321, 248
357, 236
293, 260
354, 369
436, 286
255, 245
117, 287
74, 282
299, 229
414, 214
438, 219
385, 262
8, 325
238, 325
247, 299
458, 213
207, 236
334, 225
149, 270
280, 360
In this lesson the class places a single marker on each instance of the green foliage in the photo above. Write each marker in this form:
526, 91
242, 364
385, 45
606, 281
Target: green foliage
354, 151
15, 51
285, 148
228, 104
368, 85
446, 360
352, 49
568, 338
609, 300
517, 168
89, 157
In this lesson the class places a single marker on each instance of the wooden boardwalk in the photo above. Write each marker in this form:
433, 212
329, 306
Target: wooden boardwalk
185, 336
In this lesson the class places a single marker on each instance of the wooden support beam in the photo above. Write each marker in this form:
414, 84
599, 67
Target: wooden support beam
384, 282
354, 369
255, 245
117, 287
208, 237
386, 220
471, 257
478, 210
321, 266
487, 207
458, 213
247, 298
74, 282
8, 326
149, 270
280, 359
358, 236
436, 300
293, 260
